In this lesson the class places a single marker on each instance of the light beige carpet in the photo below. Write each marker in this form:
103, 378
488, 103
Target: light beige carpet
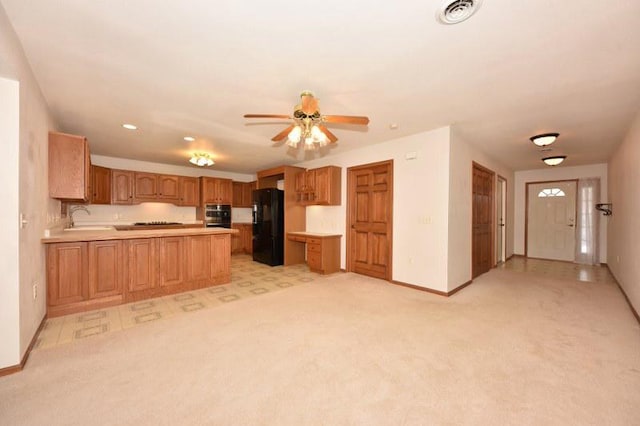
512, 348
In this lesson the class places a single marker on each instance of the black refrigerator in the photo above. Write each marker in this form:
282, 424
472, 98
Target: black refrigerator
268, 226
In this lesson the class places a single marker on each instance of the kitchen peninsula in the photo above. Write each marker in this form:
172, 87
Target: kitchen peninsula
94, 269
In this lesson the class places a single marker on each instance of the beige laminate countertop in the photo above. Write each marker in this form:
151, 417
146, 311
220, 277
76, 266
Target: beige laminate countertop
73, 236
314, 234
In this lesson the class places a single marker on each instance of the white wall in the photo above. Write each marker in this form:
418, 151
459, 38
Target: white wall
463, 154
420, 204
624, 232
558, 173
30, 188
9, 261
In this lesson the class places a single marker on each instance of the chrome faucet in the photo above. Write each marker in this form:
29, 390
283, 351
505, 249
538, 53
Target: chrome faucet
74, 209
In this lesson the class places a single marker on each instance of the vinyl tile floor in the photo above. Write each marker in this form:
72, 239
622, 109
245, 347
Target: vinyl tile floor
559, 270
248, 279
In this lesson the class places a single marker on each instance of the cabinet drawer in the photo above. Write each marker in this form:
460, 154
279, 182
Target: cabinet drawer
316, 248
314, 240
314, 260
296, 238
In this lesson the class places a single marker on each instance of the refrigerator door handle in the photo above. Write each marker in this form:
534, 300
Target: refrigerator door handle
255, 214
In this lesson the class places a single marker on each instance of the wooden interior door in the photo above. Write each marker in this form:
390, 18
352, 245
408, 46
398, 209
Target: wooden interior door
482, 217
369, 219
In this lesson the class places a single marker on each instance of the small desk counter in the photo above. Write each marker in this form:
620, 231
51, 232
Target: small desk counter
323, 250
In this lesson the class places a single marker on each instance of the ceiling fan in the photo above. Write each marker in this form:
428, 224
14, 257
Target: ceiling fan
308, 125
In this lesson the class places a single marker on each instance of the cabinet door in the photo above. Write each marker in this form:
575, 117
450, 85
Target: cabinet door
172, 254
225, 191
168, 188
247, 239
121, 187
69, 167
237, 192
208, 190
198, 257
328, 186
300, 182
247, 191
66, 273
190, 195
237, 240
220, 261
142, 268
145, 186
100, 185
105, 268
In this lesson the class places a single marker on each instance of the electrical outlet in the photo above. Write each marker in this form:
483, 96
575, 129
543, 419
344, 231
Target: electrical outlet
411, 261
35, 291
617, 259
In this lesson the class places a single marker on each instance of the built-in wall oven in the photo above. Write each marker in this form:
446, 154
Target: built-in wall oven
217, 215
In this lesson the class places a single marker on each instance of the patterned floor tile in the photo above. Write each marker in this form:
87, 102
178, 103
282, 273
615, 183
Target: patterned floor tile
248, 279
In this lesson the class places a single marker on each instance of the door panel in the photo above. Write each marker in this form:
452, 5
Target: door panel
551, 220
370, 204
482, 217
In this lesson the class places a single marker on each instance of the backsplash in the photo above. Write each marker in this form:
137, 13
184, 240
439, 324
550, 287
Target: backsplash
145, 212
241, 215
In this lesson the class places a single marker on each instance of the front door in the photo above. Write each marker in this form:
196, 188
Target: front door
551, 219
482, 217
369, 207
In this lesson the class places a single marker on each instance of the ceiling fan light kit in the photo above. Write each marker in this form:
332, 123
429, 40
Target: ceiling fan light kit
308, 124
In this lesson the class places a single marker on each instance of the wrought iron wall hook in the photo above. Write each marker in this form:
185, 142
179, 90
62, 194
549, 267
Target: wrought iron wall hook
605, 208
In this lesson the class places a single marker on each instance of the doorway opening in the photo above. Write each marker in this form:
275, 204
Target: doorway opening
370, 219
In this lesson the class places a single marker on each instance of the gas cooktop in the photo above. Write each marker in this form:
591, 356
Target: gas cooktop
158, 222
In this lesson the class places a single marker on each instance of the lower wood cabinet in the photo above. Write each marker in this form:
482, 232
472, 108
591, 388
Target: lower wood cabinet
106, 268
323, 250
89, 275
242, 242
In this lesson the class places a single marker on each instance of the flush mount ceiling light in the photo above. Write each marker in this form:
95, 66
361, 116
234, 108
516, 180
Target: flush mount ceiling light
201, 159
189, 138
555, 160
455, 11
544, 139
129, 126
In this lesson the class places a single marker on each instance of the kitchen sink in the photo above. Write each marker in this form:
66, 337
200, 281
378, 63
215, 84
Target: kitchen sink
90, 228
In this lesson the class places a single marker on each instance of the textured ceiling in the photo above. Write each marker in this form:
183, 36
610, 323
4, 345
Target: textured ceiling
177, 68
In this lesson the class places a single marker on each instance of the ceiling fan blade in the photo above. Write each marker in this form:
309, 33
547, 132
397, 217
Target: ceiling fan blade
331, 136
266, 116
347, 119
309, 104
283, 134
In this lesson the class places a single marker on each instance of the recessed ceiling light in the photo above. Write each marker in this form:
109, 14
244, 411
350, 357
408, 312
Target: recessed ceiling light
544, 139
189, 138
129, 126
393, 126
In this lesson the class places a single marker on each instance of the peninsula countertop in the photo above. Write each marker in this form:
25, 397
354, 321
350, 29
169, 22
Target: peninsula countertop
112, 234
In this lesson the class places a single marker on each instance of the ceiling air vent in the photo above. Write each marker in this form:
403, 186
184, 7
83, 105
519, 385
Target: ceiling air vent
456, 11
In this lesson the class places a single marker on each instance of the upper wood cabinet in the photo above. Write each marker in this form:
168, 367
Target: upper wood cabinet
145, 186
216, 190
321, 186
100, 185
121, 187
189, 191
242, 192
156, 187
169, 188
69, 167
